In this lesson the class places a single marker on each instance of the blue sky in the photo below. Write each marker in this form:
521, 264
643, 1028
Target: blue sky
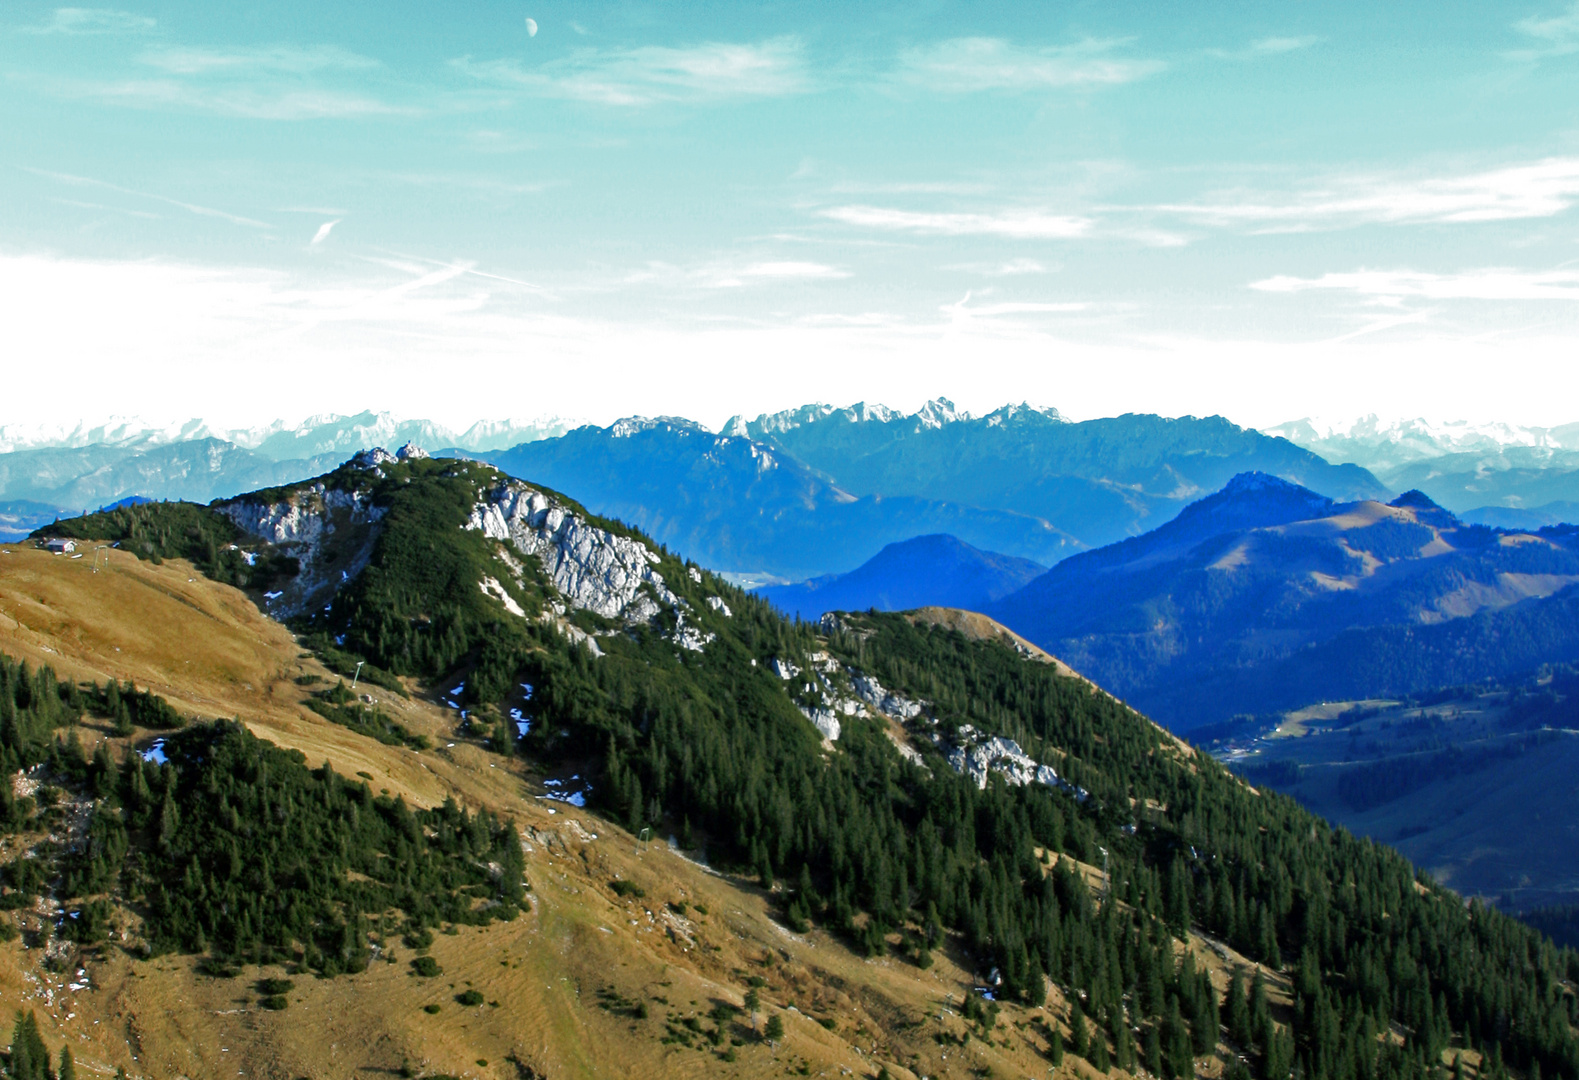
1265, 210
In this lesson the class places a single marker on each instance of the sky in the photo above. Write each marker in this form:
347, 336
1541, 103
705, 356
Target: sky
1261, 210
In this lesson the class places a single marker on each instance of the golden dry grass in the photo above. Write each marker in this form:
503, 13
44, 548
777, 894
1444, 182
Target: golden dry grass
211, 652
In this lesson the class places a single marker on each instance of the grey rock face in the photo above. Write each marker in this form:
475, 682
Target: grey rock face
300, 526
592, 568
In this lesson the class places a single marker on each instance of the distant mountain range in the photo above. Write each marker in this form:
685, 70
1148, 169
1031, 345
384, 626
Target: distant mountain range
48, 474
327, 434
929, 571
818, 490
1504, 474
1268, 596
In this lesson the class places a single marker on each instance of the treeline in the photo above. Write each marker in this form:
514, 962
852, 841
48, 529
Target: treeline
179, 530
235, 847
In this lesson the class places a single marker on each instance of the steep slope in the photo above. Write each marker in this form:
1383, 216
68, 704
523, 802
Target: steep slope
1245, 604
1100, 480
935, 570
739, 505
895, 785
1473, 783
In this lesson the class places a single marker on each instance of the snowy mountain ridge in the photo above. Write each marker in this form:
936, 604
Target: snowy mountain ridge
279, 440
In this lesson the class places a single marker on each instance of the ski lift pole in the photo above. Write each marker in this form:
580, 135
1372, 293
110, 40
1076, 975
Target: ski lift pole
357, 674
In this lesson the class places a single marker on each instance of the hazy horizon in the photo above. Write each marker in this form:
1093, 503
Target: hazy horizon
702, 210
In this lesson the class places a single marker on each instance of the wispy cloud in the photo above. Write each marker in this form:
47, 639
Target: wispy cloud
1013, 224
1011, 268
105, 185
793, 270
323, 232
1267, 46
655, 74
1539, 189
260, 100
275, 82
1558, 34
73, 20
285, 59
971, 64
1494, 283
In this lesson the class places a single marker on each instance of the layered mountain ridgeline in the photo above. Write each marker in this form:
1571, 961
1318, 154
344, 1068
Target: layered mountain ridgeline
907, 787
731, 502
1267, 597
1495, 474
939, 570
42, 472
1110, 475
1472, 783
819, 490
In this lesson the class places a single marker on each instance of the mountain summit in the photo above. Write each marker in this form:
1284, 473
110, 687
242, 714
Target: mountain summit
927, 571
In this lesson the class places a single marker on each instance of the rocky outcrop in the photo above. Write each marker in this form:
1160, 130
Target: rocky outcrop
301, 527
593, 569
976, 755
885, 701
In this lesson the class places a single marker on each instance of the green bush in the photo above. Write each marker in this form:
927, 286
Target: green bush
426, 966
469, 998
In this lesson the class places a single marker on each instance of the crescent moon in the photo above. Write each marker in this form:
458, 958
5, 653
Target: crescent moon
531, 28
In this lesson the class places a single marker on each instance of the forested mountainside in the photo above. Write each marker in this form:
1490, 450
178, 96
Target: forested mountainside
1268, 597
903, 785
1473, 783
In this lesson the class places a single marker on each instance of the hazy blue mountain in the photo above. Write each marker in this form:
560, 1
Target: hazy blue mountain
818, 490
937, 570
737, 504
1464, 467
197, 470
1098, 480
20, 517
1267, 596
1508, 517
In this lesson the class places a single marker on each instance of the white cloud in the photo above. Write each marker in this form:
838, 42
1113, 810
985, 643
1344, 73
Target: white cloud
74, 20
653, 74
1539, 189
1395, 285
265, 100
1273, 46
323, 232
1559, 33
354, 340
793, 270
201, 211
965, 65
286, 59
1013, 224
1010, 268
